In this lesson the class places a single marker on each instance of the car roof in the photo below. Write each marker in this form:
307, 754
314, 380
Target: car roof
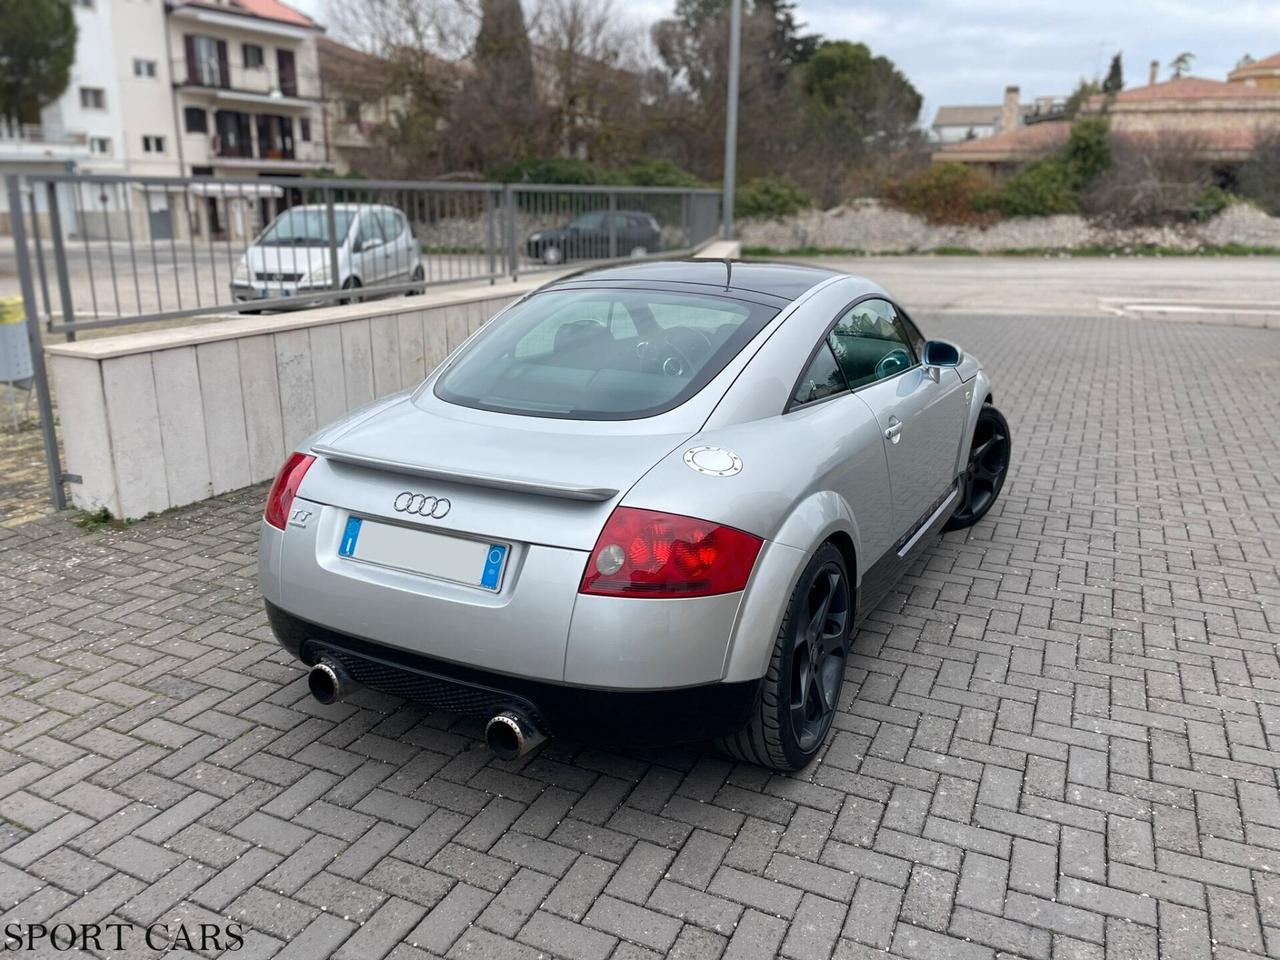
342, 206
786, 281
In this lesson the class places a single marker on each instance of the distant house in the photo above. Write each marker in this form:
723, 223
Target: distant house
1220, 120
956, 124
213, 89
1264, 73
359, 99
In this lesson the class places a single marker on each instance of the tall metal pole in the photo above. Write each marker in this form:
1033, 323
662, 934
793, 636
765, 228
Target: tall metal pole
731, 116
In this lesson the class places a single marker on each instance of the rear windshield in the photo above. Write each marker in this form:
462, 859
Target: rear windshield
601, 354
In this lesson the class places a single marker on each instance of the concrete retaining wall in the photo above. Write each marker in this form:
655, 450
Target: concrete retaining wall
156, 420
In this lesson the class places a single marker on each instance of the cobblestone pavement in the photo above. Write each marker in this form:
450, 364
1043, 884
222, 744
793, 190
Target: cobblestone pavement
1059, 737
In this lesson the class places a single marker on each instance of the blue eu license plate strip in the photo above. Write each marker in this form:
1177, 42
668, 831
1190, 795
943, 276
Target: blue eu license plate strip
349, 537
492, 575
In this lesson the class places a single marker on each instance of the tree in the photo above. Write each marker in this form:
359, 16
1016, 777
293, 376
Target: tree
498, 117
1181, 64
861, 111
688, 93
1259, 175
1114, 81
592, 72
37, 48
1084, 91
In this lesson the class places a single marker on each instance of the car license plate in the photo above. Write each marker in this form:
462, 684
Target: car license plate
425, 552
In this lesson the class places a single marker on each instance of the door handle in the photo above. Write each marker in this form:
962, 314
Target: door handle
893, 432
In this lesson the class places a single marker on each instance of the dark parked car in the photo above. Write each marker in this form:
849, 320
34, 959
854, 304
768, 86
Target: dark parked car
587, 237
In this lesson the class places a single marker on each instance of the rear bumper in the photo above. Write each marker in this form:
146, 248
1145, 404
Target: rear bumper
595, 714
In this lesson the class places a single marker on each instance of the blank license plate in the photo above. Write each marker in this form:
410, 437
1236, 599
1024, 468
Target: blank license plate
424, 552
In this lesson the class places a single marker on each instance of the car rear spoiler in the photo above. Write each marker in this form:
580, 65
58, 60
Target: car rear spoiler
561, 491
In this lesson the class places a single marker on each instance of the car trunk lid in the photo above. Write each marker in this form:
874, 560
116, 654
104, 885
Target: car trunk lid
523, 479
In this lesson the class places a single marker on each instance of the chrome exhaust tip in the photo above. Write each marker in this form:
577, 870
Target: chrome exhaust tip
329, 681
510, 734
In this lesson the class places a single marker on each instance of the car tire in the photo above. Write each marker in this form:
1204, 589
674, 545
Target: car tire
351, 283
552, 255
780, 734
984, 474
416, 278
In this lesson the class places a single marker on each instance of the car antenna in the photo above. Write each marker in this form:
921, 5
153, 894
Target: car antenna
728, 272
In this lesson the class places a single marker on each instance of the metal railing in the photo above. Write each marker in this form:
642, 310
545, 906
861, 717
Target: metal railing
109, 250
99, 251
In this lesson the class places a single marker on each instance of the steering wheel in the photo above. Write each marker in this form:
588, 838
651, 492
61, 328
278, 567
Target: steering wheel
893, 362
680, 360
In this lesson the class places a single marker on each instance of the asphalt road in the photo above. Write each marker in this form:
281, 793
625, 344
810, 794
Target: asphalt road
1051, 286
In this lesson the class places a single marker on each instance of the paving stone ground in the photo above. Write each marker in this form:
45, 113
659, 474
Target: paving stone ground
1059, 737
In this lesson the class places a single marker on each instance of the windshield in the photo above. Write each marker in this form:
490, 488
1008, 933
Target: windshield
304, 227
601, 354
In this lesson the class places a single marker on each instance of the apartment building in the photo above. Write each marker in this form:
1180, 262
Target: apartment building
190, 88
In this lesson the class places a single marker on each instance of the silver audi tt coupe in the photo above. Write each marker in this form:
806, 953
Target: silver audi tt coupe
644, 503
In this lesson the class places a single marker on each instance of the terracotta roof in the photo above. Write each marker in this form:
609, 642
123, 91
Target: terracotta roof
263, 9
1192, 88
1021, 144
1266, 63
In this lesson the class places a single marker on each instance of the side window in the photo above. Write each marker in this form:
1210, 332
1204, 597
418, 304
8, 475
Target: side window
913, 334
822, 379
392, 224
870, 343
370, 229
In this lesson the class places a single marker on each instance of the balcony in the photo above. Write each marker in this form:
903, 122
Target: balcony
31, 141
246, 85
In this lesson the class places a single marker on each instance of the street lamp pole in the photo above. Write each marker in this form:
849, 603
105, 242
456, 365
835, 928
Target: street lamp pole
731, 116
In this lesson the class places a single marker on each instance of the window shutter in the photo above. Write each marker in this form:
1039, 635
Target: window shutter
224, 73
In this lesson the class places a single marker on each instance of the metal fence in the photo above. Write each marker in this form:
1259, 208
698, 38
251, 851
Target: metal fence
111, 250
96, 251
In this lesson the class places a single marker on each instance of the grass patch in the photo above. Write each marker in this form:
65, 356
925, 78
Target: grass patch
445, 248
1143, 250
101, 519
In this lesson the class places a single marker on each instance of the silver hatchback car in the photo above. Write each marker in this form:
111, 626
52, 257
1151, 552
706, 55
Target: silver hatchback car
642, 504
373, 245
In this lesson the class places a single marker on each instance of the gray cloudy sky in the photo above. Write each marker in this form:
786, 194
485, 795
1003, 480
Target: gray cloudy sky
967, 51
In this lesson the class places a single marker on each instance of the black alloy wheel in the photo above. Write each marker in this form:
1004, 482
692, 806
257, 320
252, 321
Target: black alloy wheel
818, 656
984, 476
800, 691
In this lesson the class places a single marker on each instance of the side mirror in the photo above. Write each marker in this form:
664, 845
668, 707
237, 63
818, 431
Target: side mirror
939, 353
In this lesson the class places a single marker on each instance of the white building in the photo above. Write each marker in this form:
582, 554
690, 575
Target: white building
204, 88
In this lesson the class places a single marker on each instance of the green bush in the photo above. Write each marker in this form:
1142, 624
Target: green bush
770, 197
548, 170
1210, 202
1039, 189
942, 193
1087, 151
654, 173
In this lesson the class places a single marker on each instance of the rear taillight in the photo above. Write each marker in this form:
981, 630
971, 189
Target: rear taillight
285, 488
642, 553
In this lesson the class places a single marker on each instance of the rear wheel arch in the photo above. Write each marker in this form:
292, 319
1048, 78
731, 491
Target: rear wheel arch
823, 517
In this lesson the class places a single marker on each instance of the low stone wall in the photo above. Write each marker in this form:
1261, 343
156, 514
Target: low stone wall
156, 420
873, 227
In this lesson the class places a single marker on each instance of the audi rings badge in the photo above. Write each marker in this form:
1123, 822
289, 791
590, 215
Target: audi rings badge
421, 505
